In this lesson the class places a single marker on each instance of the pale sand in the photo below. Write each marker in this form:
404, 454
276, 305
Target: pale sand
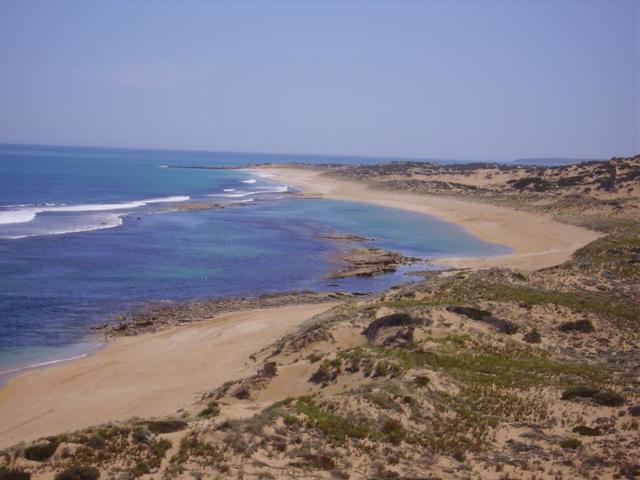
148, 375
536, 241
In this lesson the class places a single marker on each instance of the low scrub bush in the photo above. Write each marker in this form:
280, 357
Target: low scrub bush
41, 451
79, 472
7, 474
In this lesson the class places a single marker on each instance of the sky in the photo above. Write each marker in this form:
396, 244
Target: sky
487, 80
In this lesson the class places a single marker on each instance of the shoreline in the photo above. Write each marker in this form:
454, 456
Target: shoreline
156, 374
536, 241
148, 375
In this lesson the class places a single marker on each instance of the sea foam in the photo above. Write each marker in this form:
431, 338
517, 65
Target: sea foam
28, 214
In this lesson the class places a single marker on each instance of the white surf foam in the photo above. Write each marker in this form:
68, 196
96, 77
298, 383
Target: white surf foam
28, 214
228, 189
42, 364
262, 174
108, 221
251, 180
240, 194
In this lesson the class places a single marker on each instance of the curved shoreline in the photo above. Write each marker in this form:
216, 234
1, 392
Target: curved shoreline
536, 241
158, 373
148, 375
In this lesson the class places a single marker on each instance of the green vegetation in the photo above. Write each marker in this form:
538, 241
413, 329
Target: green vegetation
8, 474
79, 472
587, 431
40, 451
336, 427
607, 398
571, 443
211, 410
465, 291
166, 426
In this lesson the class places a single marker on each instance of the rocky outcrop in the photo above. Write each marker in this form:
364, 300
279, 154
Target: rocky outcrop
370, 261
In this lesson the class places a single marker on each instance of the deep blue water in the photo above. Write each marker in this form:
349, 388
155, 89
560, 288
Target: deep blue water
87, 233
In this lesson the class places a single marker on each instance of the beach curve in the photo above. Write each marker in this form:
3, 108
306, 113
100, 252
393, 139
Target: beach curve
537, 241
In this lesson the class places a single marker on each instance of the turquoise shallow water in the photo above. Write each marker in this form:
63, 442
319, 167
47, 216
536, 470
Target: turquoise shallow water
88, 233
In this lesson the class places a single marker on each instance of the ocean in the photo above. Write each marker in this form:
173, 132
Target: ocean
88, 233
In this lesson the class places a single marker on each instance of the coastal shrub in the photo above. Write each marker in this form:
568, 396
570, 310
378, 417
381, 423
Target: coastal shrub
142, 468
421, 381
141, 434
470, 312
79, 472
7, 474
327, 372
212, 410
532, 336
583, 326
571, 443
608, 399
270, 369
242, 392
166, 426
579, 392
503, 326
384, 368
393, 320
315, 357
393, 431
161, 447
322, 462
587, 431
336, 427
634, 411
382, 400
41, 451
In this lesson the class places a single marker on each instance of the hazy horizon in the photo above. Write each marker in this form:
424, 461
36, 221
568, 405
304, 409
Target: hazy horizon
468, 81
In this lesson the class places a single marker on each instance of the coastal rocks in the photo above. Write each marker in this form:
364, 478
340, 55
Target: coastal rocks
370, 261
195, 206
347, 237
156, 318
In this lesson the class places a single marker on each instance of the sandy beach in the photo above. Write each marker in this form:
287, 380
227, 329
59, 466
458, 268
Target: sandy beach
536, 241
159, 374
146, 376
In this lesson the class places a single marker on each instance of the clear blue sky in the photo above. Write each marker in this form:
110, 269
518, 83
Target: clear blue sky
447, 79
